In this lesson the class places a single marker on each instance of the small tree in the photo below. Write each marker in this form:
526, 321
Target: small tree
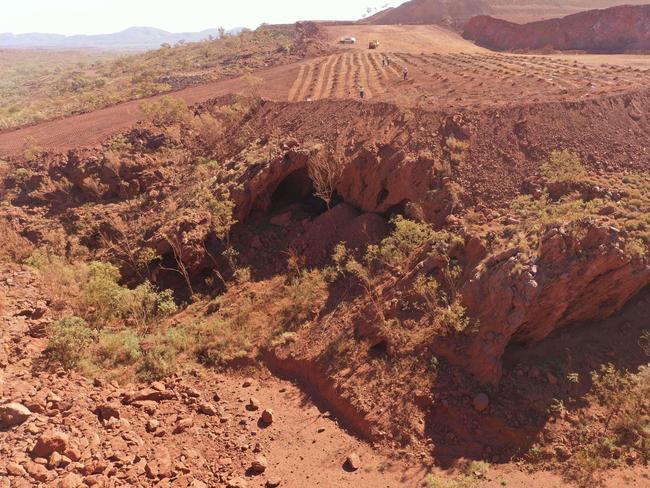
176, 246
325, 172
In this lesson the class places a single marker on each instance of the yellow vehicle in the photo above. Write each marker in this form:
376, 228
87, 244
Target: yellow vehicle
373, 44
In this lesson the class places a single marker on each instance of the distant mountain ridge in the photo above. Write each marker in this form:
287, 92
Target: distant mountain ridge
134, 38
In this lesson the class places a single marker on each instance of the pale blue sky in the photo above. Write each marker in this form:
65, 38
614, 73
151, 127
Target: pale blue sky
104, 16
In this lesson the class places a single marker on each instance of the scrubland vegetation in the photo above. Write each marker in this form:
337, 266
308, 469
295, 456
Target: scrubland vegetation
36, 86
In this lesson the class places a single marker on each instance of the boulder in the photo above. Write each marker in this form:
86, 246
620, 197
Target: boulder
267, 416
481, 402
108, 411
71, 480
160, 466
253, 404
259, 465
237, 483
207, 408
183, 424
37, 471
49, 442
353, 462
12, 414
15, 469
149, 394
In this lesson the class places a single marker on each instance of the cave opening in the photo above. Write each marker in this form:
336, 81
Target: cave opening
297, 189
379, 350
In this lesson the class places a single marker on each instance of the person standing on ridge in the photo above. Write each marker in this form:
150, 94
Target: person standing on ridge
362, 93
406, 74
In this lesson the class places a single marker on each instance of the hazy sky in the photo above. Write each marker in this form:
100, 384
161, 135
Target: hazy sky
104, 16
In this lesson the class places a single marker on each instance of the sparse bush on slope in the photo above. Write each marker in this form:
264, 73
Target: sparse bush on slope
165, 111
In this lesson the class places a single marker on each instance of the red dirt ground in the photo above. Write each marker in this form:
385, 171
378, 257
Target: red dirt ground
304, 446
445, 73
453, 77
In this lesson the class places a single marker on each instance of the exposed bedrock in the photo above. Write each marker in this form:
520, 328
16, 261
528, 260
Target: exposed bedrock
613, 30
577, 275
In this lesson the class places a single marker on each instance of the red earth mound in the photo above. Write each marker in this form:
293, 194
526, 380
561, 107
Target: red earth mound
614, 30
430, 12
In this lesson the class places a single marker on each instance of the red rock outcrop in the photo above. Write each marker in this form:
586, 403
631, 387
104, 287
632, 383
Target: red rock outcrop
577, 275
618, 29
455, 12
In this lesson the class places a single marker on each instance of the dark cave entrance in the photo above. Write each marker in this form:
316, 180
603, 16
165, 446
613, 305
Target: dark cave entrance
297, 189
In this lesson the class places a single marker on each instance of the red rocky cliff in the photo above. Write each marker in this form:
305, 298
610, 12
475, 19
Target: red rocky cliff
617, 29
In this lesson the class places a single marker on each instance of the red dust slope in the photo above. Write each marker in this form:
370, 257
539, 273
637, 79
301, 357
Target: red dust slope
430, 12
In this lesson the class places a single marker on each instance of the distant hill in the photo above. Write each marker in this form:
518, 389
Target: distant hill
456, 12
134, 38
614, 30
430, 12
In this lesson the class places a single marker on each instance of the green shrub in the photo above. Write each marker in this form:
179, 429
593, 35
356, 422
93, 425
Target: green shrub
564, 167
223, 343
457, 149
69, 341
165, 111
284, 339
178, 338
161, 360
221, 210
453, 318
118, 348
21, 175
406, 237
157, 363
95, 293
305, 294
101, 294
144, 304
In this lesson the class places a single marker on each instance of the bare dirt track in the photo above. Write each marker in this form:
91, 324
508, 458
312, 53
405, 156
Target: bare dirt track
445, 72
397, 38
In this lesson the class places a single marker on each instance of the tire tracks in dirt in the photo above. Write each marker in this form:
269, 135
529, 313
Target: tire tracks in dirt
373, 85
362, 75
328, 77
319, 79
336, 77
304, 86
297, 84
